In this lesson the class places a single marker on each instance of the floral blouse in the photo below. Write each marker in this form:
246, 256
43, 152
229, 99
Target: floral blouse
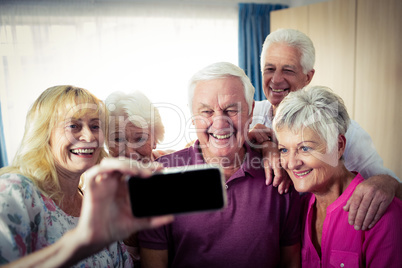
30, 221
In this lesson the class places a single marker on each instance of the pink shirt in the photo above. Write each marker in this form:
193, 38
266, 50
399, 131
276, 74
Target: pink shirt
343, 246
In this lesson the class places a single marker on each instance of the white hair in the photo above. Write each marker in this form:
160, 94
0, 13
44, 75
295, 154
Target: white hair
139, 109
317, 108
293, 38
222, 70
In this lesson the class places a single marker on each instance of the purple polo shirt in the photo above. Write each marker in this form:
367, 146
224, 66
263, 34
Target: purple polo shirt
247, 233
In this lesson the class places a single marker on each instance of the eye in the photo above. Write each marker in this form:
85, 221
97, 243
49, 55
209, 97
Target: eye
140, 139
207, 113
118, 140
231, 112
283, 150
73, 127
95, 127
305, 148
289, 71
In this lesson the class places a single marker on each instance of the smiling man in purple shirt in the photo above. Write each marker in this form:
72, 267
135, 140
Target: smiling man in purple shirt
259, 227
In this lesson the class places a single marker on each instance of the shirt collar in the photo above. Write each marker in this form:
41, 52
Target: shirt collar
196, 152
252, 161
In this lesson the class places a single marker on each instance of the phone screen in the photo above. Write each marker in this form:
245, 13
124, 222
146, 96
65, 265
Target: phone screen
189, 190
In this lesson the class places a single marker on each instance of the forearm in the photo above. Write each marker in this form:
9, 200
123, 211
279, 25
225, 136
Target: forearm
67, 251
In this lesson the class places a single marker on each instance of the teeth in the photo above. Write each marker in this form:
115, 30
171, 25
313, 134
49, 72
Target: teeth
278, 90
304, 173
83, 151
221, 137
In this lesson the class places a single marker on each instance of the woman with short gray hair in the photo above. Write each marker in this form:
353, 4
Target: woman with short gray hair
135, 126
310, 126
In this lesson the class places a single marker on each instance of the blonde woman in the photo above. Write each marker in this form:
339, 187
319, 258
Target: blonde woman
40, 194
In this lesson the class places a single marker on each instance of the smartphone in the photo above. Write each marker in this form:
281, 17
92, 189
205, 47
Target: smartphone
178, 190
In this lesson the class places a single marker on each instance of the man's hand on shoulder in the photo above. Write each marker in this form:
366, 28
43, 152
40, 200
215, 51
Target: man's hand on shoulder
370, 200
260, 134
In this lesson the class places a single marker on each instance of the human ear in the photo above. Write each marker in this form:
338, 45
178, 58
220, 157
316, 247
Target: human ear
250, 116
341, 145
310, 75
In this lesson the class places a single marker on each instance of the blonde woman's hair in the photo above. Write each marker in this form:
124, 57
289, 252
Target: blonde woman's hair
34, 158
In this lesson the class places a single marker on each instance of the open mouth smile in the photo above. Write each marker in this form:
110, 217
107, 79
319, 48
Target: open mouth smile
302, 174
221, 137
279, 90
83, 151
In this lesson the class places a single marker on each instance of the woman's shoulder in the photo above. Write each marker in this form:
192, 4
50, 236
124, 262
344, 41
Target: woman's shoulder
394, 211
15, 180
14, 185
390, 221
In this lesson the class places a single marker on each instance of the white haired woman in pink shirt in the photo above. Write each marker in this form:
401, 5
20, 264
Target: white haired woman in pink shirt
310, 126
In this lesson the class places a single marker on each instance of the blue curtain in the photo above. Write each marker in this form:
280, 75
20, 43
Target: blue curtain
254, 26
3, 152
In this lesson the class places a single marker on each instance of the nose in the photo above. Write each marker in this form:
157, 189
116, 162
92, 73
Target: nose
220, 121
277, 77
293, 161
130, 151
86, 134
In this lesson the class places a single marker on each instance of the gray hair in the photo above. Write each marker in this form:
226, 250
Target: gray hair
139, 109
222, 70
293, 38
317, 108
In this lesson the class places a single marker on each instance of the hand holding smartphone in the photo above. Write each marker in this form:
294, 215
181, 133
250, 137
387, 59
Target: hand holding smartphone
178, 190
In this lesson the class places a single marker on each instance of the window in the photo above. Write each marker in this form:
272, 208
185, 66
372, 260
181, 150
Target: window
105, 48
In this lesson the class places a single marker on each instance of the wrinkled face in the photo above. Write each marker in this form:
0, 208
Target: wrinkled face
131, 141
305, 157
221, 117
76, 142
283, 72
